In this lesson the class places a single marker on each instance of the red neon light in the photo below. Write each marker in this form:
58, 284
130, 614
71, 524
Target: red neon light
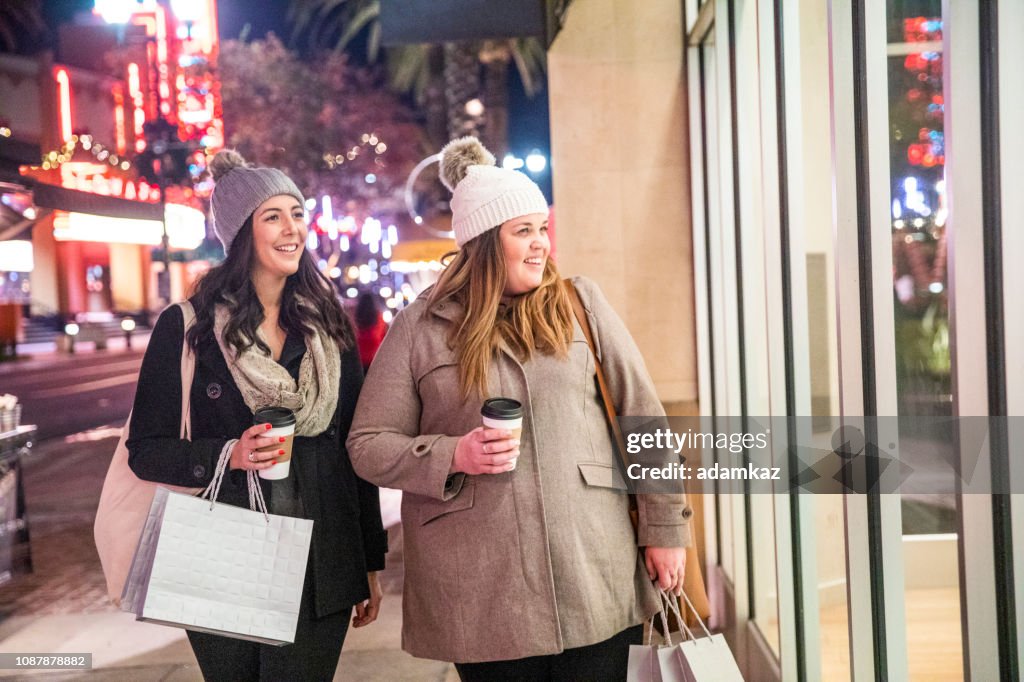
138, 113
64, 100
161, 55
119, 134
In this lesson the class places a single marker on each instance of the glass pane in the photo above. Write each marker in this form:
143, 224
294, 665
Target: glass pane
817, 255
715, 123
924, 388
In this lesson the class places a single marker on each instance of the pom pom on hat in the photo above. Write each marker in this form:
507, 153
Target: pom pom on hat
224, 162
458, 155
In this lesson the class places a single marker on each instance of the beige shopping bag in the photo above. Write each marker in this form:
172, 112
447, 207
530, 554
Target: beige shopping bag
126, 499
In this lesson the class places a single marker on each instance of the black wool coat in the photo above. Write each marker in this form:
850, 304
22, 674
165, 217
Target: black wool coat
348, 536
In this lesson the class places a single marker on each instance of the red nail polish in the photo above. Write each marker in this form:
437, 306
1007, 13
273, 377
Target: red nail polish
268, 426
281, 439
280, 452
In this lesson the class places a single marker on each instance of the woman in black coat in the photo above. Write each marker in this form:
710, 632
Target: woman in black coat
269, 331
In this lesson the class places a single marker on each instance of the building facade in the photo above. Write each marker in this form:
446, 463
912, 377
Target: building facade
806, 211
123, 122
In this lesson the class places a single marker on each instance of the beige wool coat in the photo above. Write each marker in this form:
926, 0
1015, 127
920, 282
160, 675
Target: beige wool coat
528, 562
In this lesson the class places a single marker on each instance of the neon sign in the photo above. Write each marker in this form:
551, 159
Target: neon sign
92, 178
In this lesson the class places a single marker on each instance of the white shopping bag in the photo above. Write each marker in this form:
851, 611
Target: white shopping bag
219, 569
709, 659
654, 663
704, 659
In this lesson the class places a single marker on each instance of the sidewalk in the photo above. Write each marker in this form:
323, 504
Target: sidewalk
38, 355
62, 607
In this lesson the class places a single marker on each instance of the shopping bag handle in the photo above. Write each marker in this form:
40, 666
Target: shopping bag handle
667, 599
664, 622
256, 500
673, 606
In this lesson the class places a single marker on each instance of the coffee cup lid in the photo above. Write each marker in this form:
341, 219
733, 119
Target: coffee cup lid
502, 408
275, 416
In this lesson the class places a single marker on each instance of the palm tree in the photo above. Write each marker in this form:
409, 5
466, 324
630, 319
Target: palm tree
443, 79
19, 19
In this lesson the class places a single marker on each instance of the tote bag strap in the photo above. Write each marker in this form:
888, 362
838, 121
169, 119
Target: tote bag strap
188, 370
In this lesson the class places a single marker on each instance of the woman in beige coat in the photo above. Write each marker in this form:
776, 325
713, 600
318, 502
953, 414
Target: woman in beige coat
520, 559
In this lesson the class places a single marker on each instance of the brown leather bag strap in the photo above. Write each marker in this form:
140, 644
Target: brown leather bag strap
606, 398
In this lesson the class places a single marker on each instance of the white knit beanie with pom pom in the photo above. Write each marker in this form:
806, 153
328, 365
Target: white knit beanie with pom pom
239, 190
484, 195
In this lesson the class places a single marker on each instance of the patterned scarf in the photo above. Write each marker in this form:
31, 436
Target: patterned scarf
265, 383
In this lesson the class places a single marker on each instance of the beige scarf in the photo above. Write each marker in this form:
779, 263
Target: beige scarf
265, 383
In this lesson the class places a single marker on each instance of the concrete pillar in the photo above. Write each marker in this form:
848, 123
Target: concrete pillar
620, 165
127, 276
71, 279
45, 280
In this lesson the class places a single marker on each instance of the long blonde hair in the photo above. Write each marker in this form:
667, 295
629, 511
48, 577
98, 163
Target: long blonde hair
539, 320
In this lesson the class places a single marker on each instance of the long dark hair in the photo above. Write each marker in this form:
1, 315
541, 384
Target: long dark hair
229, 284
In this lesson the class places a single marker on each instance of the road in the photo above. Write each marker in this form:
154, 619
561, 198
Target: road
67, 394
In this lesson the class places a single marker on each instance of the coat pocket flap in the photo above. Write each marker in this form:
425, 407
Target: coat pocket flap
601, 475
432, 509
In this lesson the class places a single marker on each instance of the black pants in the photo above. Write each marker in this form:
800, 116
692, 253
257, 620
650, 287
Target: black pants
313, 657
602, 662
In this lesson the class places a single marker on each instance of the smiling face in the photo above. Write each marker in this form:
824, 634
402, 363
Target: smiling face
278, 236
525, 246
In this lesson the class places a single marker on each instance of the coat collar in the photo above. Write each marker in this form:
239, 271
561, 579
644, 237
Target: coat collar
448, 309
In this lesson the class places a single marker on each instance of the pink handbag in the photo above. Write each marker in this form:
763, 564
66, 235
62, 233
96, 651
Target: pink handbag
126, 499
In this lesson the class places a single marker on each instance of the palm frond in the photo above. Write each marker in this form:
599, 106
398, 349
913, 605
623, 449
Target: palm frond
406, 66
358, 21
304, 13
530, 59
373, 43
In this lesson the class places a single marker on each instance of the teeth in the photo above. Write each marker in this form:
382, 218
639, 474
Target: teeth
287, 249
533, 261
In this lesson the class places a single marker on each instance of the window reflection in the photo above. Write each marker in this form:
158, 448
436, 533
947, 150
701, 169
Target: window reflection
924, 388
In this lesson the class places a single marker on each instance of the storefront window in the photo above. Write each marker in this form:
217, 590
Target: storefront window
921, 304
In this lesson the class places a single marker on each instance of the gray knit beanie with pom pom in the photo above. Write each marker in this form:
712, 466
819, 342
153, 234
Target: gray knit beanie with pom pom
484, 195
240, 189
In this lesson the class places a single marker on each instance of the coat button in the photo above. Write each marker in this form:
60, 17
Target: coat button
687, 512
213, 391
199, 471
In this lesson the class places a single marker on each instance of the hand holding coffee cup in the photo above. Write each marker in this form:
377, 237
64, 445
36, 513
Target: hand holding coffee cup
282, 433
256, 449
486, 451
504, 413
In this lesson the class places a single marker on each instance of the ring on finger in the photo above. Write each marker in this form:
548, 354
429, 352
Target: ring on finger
252, 456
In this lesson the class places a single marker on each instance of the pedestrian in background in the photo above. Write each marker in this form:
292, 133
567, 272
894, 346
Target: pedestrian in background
370, 328
269, 331
521, 562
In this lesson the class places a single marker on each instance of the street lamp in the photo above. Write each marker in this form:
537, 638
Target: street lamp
128, 325
116, 11
71, 331
188, 12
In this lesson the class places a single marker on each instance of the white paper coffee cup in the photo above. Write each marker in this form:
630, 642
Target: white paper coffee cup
282, 422
504, 413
